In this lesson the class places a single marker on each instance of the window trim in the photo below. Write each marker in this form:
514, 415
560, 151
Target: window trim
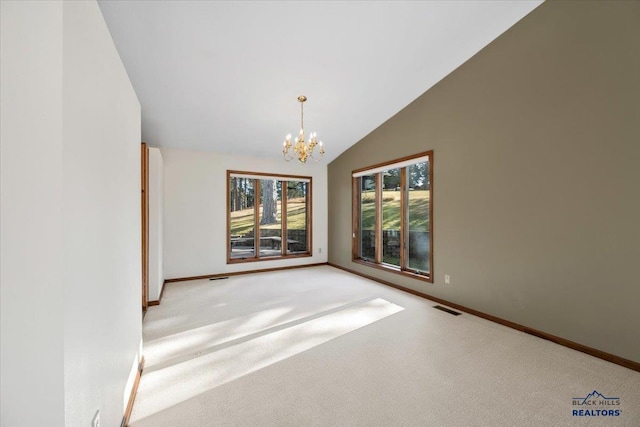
257, 176
402, 163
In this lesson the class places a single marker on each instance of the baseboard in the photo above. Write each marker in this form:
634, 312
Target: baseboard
237, 273
132, 398
630, 364
157, 302
161, 293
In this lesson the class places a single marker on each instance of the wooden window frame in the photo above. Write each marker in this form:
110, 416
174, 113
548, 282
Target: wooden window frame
404, 204
257, 176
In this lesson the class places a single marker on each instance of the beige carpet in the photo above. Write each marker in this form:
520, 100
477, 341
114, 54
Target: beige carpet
321, 347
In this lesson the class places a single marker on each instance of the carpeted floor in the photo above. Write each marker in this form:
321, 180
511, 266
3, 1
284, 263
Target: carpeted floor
321, 347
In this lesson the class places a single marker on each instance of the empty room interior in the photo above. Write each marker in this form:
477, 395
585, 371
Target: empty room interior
306, 213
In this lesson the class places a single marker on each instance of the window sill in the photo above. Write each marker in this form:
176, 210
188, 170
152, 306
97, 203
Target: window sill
395, 270
271, 258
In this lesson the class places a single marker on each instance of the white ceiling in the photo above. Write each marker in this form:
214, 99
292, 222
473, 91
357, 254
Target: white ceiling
224, 76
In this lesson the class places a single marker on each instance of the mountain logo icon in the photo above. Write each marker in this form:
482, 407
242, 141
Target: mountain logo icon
594, 395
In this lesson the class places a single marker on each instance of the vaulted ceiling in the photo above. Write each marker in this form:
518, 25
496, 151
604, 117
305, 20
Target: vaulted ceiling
224, 75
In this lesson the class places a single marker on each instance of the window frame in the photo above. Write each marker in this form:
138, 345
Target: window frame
257, 177
403, 163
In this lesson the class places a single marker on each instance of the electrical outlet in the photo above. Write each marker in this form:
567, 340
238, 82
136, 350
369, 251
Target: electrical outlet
319, 250
447, 279
95, 422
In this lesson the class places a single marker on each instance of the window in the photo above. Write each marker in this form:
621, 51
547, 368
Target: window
393, 216
268, 216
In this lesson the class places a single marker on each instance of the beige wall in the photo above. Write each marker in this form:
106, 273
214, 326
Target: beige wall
537, 173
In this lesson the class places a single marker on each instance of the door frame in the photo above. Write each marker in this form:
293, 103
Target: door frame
144, 156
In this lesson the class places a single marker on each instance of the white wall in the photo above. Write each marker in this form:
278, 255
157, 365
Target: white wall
71, 322
156, 208
102, 245
31, 292
195, 221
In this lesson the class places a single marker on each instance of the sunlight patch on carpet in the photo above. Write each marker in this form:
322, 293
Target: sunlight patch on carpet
169, 349
177, 383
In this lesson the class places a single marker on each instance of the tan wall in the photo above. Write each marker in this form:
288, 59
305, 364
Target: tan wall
536, 144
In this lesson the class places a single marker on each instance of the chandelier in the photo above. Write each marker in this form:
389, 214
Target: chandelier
299, 148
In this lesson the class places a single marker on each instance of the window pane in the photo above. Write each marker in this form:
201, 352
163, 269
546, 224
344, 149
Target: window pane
391, 213
270, 217
418, 217
367, 236
242, 203
297, 217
